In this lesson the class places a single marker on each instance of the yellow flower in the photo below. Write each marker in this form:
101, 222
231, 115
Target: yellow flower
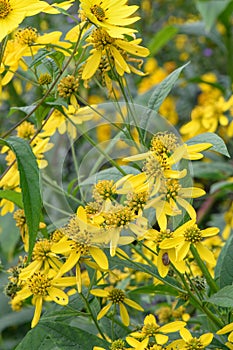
42, 259
81, 239
59, 121
44, 287
189, 342
114, 51
228, 329
152, 329
189, 234
111, 15
13, 12
116, 297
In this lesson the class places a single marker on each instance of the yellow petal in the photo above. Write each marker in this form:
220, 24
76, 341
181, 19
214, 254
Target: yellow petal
91, 65
99, 293
100, 257
38, 309
103, 312
58, 296
206, 339
172, 327
205, 253
124, 314
133, 304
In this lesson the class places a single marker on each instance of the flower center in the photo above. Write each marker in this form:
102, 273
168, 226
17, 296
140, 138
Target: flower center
194, 344
103, 190
136, 201
164, 234
26, 130
119, 217
170, 188
149, 329
26, 36
101, 39
164, 143
41, 249
5, 8
118, 345
98, 12
39, 284
193, 234
116, 296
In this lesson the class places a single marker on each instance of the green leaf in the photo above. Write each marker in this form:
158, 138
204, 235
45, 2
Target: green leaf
110, 174
210, 137
161, 38
214, 171
29, 183
210, 10
9, 237
155, 289
223, 298
15, 197
59, 336
226, 263
222, 185
162, 90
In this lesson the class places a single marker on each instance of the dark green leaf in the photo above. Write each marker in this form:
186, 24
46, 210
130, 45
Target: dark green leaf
15, 197
223, 298
162, 90
161, 38
29, 183
209, 137
59, 336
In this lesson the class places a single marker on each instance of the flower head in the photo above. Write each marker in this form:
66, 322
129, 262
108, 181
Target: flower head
110, 15
116, 297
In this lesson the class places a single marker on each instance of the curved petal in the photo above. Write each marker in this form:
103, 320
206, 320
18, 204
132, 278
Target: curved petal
99, 257
58, 295
103, 312
124, 314
38, 309
91, 65
206, 339
205, 253
183, 250
133, 304
185, 334
172, 327
210, 231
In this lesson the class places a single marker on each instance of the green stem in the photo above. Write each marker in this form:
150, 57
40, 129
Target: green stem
211, 282
92, 315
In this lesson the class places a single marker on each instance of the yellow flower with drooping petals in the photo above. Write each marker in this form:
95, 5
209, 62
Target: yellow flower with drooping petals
189, 234
152, 329
116, 53
116, 297
190, 342
44, 287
